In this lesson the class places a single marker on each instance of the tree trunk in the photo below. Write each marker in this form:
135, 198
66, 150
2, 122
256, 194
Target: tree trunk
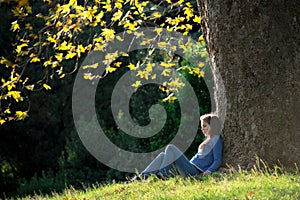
255, 45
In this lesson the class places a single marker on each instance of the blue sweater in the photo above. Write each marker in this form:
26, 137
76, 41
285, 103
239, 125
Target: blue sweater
210, 157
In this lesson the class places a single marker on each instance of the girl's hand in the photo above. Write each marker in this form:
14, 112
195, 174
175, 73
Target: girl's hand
206, 173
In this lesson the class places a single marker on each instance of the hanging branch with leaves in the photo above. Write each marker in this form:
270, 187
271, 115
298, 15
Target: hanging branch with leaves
65, 32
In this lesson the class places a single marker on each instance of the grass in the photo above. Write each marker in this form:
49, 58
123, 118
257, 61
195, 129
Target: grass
256, 184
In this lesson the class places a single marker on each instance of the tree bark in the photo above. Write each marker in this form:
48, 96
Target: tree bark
255, 45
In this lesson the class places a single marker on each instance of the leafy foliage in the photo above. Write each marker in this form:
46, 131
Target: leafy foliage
51, 34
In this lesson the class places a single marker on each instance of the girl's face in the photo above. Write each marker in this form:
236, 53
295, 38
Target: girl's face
205, 127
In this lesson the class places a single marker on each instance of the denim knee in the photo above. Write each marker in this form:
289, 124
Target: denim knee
171, 146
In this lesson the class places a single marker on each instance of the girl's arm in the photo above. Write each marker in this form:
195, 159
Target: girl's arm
217, 154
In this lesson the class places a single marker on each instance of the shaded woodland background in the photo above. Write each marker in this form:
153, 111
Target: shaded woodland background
43, 153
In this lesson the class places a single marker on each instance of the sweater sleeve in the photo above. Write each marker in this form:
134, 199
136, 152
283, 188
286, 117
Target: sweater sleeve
217, 154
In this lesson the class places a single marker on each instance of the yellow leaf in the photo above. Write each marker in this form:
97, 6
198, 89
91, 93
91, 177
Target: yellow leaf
109, 34
149, 67
80, 49
100, 47
58, 24
170, 98
118, 64
158, 30
18, 12
180, 2
143, 74
15, 95
188, 12
110, 57
58, 56
99, 39
55, 64
166, 72
59, 71
200, 38
29, 87
146, 42
20, 115
65, 46
107, 7
47, 87
120, 38
93, 66
7, 111
176, 83
88, 47
73, 2
15, 26
88, 76
201, 64
117, 15
5, 61
11, 86
188, 27
137, 84
99, 16
47, 63
131, 2
156, 15
51, 39
201, 74
65, 29
118, 5
197, 19
2, 121
162, 45
130, 26
19, 47
64, 9
35, 59
111, 69
131, 66
70, 55
167, 65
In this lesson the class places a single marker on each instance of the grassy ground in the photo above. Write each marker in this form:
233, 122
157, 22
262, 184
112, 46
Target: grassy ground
256, 184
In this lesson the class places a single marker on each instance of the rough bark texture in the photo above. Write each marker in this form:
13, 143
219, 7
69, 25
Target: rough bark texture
255, 45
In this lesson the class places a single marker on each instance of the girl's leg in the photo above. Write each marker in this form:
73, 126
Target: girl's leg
154, 166
162, 163
172, 154
185, 168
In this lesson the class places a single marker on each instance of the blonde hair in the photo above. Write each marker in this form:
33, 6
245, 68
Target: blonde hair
215, 127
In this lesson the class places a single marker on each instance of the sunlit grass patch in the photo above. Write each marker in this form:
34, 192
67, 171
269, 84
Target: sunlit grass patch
255, 184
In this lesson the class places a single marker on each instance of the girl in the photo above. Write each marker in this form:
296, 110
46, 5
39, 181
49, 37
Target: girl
204, 162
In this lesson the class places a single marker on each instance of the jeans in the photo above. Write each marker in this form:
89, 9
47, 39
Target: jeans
164, 161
